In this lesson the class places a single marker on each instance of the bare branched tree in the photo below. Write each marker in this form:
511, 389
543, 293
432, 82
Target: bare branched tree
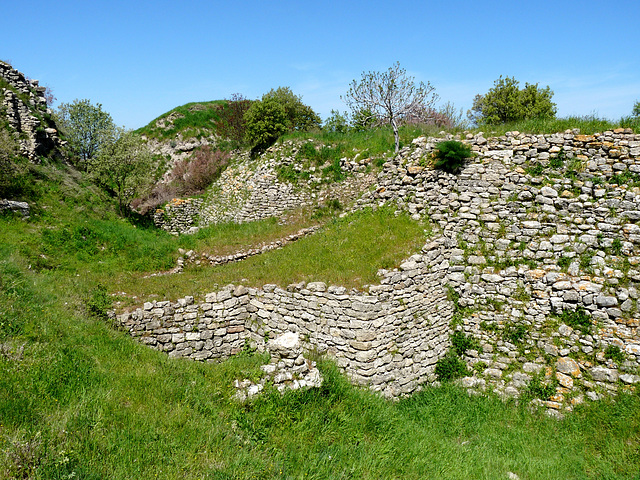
390, 97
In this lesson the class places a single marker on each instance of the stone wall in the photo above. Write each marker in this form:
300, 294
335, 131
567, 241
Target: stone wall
178, 215
388, 338
540, 225
250, 190
537, 233
25, 109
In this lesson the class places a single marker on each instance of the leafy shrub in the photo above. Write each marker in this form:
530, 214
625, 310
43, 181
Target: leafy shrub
578, 319
450, 367
461, 342
505, 102
613, 352
86, 126
450, 155
300, 117
265, 121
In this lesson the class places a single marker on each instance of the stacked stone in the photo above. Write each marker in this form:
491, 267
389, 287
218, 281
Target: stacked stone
494, 213
38, 138
388, 339
178, 215
288, 369
249, 190
503, 231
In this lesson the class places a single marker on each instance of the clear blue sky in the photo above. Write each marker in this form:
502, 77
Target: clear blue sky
140, 59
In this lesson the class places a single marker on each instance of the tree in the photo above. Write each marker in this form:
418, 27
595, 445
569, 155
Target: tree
505, 102
300, 117
636, 109
390, 97
278, 112
86, 127
265, 121
122, 166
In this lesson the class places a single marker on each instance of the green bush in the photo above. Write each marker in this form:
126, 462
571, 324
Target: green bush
505, 102
265, 121
461, 342
450, 155
450, 367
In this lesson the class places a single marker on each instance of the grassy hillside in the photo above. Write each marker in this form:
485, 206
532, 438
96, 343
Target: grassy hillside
80, 399
197, 119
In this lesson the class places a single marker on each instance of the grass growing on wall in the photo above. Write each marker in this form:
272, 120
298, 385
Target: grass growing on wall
347, 252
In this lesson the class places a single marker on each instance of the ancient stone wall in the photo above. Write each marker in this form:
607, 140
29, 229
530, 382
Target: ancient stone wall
388, 338
538, 249
25, 109
544, 233
250, 189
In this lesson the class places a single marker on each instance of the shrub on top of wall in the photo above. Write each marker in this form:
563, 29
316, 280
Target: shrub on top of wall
450, 155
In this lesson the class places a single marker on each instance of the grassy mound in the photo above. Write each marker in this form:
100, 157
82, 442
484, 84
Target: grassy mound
193, 120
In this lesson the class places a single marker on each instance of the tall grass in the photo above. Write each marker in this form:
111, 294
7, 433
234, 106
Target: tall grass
588, 124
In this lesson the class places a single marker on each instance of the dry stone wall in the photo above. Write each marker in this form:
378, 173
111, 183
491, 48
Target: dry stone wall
544, 233
537, 248
388, 338
250, 189
24, 106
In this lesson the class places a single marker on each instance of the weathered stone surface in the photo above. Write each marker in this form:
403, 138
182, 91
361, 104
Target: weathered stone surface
568, 366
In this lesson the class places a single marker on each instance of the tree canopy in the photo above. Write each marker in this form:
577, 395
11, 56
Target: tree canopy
279, 111
86, 127
505, 102
122, 166
390, 97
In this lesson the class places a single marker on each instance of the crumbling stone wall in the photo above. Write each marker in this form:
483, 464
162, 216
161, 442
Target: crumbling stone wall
250, 189
25, 108
533, 236
533, 229
388, 338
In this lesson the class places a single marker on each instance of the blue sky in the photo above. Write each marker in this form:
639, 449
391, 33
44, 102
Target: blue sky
140, 59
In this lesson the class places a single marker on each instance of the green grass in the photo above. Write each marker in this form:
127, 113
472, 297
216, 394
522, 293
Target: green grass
347, 252
196, 119
588, 124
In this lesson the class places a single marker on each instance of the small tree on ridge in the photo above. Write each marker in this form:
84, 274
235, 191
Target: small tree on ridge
389, 97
